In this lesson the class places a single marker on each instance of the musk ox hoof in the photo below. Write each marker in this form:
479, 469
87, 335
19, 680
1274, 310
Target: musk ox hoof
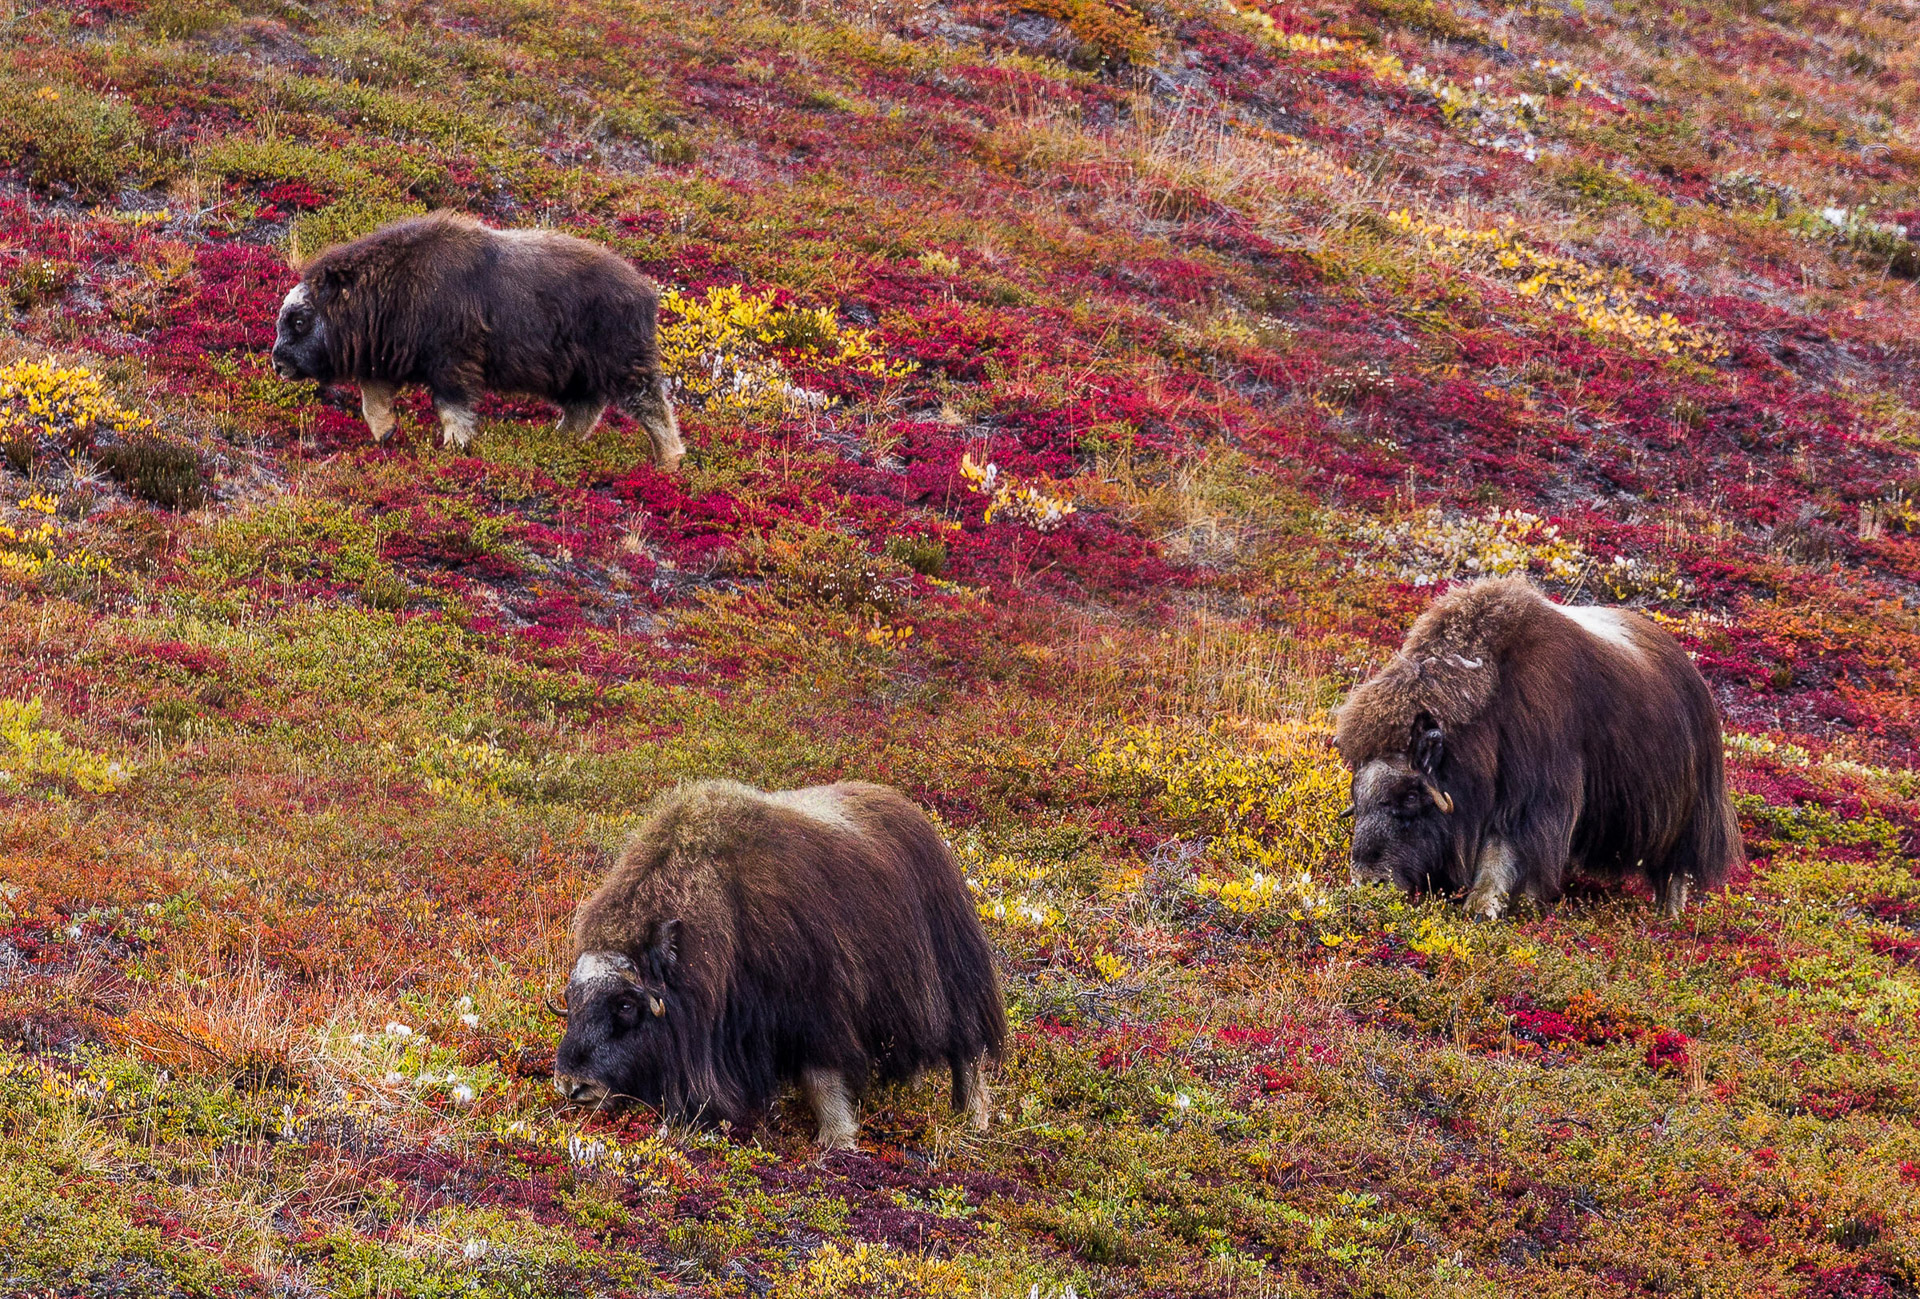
1486, 905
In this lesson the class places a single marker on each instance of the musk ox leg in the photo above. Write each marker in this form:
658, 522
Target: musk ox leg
579, 418
654, 409
970, 1094
376, 405
1673, 894
457, 422
832, 1106
1494, 876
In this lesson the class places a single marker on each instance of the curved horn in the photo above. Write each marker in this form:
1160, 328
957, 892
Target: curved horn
560, 1009
1441, 799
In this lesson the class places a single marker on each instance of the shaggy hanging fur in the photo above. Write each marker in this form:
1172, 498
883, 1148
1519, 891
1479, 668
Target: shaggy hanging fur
747, 939
1512, 739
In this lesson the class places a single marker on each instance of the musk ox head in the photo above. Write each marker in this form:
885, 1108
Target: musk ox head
620, 1040
300, 348
1402, 816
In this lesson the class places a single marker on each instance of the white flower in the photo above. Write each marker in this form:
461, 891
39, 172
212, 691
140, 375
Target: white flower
1834, 215
358, 1039
461, 1094
470, 1021
1182, 1101
398, 1030
393, 1079
474, 1250
465, 1003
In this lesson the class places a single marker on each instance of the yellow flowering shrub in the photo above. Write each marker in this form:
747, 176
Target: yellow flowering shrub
1604, 302
1268, 801
1432, 547
33, 753
1037, 506
66, 404
723, 351
870, 1270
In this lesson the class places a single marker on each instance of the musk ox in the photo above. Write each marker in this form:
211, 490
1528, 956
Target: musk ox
1512, 739
747, 939
444, 301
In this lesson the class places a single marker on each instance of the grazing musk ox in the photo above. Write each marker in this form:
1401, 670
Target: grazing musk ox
1512, 738
444, 301
746, 939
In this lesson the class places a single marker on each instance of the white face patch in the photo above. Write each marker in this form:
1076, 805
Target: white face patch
594, 967
821, 803
1370, 780
296, 296
1606, 624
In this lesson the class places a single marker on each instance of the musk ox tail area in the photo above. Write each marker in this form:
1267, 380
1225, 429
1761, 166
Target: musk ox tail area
976, 1016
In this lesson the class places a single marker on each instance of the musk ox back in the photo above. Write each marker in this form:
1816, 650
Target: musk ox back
1511, 739
747, 939
444, 301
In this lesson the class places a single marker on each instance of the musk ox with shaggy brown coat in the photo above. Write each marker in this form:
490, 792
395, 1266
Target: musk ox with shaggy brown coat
747, 939
1512, 739
444, 301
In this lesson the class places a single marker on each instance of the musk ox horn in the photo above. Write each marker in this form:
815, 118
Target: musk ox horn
1441, 799
559, 1008
657, 1006
1346, 813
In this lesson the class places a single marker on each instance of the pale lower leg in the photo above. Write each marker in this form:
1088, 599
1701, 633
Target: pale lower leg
376, 405
1673, 895
655, 412
970, 1095
1493, 879
457, 423
579, 418
832, 1103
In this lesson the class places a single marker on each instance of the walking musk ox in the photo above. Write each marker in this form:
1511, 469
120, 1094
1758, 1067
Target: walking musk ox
1512, 739
444, 301
746, 939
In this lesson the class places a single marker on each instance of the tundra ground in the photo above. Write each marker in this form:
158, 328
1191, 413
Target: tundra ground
1081, 397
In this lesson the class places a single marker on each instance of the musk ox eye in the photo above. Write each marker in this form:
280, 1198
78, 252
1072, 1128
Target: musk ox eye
626, 1011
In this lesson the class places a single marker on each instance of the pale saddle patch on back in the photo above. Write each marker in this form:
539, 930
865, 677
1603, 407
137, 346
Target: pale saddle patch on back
1609, 625
821, 803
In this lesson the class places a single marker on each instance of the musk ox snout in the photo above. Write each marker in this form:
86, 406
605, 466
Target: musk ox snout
616, 1040
1399, 827
300, 338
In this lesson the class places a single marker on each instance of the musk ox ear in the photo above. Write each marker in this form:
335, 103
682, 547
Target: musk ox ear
663, 958
1429, 746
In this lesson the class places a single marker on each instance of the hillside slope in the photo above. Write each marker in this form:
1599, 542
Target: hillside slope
1082, 397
